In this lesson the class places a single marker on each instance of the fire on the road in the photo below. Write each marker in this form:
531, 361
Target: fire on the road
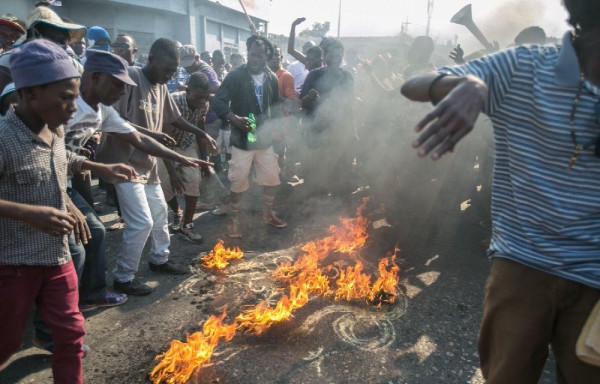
304, 277
220, 256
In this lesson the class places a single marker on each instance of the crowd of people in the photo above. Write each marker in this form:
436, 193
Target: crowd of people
76, 103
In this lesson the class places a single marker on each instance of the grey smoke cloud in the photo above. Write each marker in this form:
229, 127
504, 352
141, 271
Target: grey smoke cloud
509, 17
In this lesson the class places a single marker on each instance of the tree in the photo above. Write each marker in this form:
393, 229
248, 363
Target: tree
317, 30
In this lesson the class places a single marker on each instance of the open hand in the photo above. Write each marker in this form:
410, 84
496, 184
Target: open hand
452, 119
458, 55
192, 162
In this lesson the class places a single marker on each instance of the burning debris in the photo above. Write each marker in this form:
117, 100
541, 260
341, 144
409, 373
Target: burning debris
305, 277
220, 256
182, 359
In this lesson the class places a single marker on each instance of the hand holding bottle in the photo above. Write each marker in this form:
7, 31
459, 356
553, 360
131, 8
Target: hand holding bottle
252, 131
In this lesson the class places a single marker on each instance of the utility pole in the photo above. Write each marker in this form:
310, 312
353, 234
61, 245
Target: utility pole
429, 14
339, 19
404, 27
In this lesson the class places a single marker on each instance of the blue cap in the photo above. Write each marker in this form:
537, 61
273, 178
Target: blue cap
40, 62
99, 38
106, 62
10, 88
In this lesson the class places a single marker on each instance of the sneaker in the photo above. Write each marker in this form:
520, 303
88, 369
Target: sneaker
233, 229
108, 299
119, 224
49, 345
274, 221
176, 226
220, 210
207, 206
188, 233
133, 287
168, 268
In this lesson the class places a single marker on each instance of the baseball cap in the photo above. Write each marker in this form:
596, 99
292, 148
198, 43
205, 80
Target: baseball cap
10, 88
47, 16
11, 21
40, 62
106, 62
98, 38
187, 55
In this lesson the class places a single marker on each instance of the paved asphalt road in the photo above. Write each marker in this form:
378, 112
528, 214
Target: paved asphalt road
428, 336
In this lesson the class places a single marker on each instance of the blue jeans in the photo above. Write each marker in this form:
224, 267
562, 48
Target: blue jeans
89, 261
91, 266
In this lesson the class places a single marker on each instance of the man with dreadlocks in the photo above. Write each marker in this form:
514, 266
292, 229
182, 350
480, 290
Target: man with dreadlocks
545, 249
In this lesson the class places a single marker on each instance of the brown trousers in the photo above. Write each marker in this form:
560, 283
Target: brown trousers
525, 311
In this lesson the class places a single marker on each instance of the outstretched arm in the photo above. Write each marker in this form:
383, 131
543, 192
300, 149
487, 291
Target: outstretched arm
461, 99
183, 124
152, 147
292, 41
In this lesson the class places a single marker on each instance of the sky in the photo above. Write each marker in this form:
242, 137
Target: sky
499, 20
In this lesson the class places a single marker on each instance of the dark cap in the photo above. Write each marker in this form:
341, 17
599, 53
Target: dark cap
40, 62
106, 62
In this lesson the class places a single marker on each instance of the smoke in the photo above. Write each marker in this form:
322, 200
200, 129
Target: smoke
510, 17
382, 162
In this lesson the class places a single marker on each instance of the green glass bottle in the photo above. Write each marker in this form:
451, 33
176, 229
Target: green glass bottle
252, 133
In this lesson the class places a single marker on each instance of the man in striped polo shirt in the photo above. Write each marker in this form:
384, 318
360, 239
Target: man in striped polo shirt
545, 277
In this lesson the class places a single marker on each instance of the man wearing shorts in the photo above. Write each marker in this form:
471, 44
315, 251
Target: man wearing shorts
251, 88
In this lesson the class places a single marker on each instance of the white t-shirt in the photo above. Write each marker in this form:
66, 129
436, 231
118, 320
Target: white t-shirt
299, 73
86, 121
259, 80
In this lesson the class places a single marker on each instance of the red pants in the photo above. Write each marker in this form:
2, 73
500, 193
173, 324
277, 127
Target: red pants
54, 291
526, 310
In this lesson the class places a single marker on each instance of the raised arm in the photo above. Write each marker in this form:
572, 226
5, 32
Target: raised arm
292, 42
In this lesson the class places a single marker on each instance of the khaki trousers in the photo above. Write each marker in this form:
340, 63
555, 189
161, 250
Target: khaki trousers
525, 311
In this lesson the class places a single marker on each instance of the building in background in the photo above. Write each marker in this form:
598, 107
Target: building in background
207, 24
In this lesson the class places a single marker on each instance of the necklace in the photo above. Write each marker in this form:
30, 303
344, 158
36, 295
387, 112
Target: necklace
578, 147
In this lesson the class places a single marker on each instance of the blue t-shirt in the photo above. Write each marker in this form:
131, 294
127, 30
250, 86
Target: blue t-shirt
544, 215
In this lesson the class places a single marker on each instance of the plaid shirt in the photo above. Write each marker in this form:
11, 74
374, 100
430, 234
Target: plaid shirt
195, 117
32, 172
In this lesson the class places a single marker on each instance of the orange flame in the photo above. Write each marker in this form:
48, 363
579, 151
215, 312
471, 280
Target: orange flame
304, 277
181, 360
220, 256
353, 284
385, 289
262, 317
